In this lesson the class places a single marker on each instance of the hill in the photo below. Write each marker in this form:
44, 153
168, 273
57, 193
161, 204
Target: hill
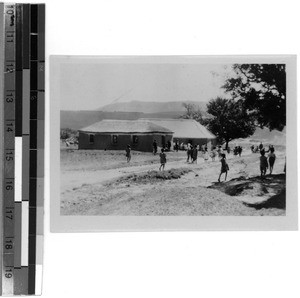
125, 111
79, 119
150, 106
264, 136
274, 137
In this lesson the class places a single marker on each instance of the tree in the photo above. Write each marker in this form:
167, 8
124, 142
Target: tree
229, 120
192, 112
262, 87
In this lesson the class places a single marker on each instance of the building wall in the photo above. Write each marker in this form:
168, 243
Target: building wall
105, 141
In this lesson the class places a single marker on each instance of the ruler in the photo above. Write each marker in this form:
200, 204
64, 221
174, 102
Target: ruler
22, 153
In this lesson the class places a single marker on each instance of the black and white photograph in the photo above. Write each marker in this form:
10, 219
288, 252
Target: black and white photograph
118, 222
172, 137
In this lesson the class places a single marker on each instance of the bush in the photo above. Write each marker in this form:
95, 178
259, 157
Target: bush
66, 133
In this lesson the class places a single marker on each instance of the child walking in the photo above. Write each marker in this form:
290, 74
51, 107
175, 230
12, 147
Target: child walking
163, 159
224, 166
263, 163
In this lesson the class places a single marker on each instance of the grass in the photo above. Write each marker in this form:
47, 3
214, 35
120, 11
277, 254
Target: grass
152, 176
78, 160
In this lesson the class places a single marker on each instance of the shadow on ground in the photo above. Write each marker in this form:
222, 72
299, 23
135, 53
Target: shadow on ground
257, 192
277, 201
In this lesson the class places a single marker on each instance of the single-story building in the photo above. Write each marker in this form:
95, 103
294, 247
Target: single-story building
186, 131
117, 134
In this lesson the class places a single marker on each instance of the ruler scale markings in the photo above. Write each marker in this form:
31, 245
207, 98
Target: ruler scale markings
22, 282
8, 275
9, 154
33, 146
19, 68
2, 49
41, 109
22, 156
40, 146
19, 272
26, 36
26, 69
17, 232
26, 147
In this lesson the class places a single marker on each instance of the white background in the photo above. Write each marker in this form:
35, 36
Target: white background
190, 264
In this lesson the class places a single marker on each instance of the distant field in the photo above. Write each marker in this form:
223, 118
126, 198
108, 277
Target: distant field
79, 160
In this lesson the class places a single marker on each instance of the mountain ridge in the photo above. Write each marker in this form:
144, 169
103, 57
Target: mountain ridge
150, 106
80, 119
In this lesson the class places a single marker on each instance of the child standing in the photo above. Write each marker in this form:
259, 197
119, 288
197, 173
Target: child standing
224, 166
272, 158
154, 145
128, 153
195, 154
163, 159
189, 152
263, 163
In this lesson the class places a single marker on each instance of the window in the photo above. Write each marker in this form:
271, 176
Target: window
135, 139
92, 139
115, 139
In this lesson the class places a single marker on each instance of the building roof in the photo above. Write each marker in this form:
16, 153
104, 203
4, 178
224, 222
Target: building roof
183, 128
126, 126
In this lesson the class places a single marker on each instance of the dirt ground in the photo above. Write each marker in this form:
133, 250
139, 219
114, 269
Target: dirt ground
102, 183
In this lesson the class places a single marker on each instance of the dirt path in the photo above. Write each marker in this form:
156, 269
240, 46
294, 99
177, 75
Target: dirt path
97, 191
205, 170
72, 179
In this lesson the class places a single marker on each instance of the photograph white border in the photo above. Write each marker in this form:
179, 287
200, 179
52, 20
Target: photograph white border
71, 223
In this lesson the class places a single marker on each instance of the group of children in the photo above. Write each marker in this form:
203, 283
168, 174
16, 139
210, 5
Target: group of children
238, 150
162, 155
192, 153
266, 162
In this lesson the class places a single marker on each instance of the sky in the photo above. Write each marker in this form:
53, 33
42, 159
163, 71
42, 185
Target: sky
89, 86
